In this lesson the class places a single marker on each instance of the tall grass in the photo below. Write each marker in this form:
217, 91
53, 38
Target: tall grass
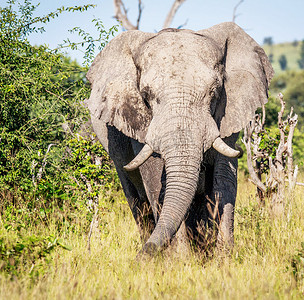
266, 262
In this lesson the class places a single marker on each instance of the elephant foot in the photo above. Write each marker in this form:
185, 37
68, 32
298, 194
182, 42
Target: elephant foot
225, 237
149, 250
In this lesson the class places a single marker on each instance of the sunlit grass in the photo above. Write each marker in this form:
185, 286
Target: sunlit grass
259, 268
291, 52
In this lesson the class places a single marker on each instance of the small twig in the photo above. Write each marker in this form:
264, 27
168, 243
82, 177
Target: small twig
300, 183
94, 222
92, 225
183, 25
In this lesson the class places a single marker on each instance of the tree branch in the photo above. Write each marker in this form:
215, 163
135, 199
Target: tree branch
140, 9
234, 16
247, 142
42, 168
292, 173
176, 5
121, 15
281, 147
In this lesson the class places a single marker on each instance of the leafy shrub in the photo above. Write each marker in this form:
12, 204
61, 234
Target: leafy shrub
41, 154
27, 253
78, 170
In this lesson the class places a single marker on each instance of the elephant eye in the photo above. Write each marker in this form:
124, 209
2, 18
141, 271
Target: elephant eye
212, 94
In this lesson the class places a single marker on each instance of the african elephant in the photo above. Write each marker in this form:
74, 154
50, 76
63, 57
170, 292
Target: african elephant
168, 108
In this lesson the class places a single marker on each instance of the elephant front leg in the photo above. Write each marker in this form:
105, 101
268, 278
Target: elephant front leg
121, 151
224, 195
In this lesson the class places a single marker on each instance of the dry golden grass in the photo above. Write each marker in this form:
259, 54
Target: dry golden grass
259, 268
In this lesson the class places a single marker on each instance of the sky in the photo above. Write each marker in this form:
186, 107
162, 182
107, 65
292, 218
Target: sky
283, 20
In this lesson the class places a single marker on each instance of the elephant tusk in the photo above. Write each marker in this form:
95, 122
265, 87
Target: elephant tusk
141, 157
224, 149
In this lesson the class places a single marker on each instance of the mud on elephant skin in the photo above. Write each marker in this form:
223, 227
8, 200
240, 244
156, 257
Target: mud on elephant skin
168, 108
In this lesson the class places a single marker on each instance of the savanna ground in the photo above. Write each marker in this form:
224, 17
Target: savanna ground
267, 261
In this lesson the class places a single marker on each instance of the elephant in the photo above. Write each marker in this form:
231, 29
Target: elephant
168, 108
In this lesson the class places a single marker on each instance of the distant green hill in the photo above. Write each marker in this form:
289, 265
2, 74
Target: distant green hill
290, 50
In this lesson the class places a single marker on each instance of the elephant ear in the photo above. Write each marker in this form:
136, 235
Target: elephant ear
115, 98
246, 80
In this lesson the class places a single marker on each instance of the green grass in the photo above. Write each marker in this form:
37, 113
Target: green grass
265, 263
291, 52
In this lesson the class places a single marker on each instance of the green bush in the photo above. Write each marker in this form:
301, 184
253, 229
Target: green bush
27, 253
41, 91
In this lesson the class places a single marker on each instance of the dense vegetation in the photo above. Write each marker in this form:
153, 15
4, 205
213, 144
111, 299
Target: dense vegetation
53, 175
49, 158
42, 154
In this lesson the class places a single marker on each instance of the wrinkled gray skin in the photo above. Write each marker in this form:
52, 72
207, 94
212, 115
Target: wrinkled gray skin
177, 91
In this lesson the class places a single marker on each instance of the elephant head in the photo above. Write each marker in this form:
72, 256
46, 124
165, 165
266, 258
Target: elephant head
179, 92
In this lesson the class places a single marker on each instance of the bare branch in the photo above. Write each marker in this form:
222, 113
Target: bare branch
176, 5
296, 183
140, 9
251, 170
42, 168
33, 166
87, 182
121, 15
235, 9
93, 225
277, 168
281, 147
292, 173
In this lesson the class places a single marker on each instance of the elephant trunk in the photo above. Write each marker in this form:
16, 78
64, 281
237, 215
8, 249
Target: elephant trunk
182, 143
182, 177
